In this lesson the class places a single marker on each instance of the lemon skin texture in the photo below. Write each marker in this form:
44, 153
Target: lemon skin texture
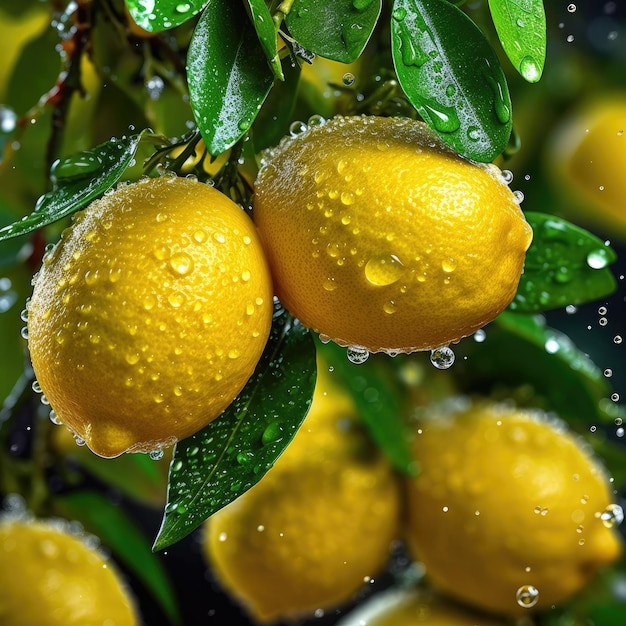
150, 314
319, 523
410, 607
585, 162
504, 499
379, 236
50, 577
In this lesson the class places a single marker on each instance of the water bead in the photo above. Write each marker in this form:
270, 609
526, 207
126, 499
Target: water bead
527, 596
442, 358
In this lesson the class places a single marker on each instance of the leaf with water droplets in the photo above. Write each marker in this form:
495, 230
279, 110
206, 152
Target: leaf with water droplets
337, 30
521, 27
157, 16
228, 75
565, 264
266, 32
452, 76
216, 465
78, 179
522, 358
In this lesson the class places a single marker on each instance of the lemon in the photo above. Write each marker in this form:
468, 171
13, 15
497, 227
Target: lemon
409, 607
379, 236
509, 510
585, 162
150, 314
51, 577
317, 526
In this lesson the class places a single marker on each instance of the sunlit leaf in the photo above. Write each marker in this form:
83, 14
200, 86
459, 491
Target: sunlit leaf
565, 264
155, 16
78, 179
228, 75
216, 465
118, 532
452, 76
521, 27
337, 30
266, 32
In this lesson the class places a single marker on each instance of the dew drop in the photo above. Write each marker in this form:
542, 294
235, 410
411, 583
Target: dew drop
297, 128
442, 358
244, 457
348, 79
448, 265
77, 166
357, 354
330, 284
176, 299
480, 335
530, 69
54, 418
527, 596
156, 455
181, 264
384, 270
273, 433
612, 516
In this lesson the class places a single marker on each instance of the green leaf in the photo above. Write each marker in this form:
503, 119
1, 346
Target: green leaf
378, 396
560, 375
564, 265
163, 14
266, 32
228, 76
521, 27
451, 75
337, 30
216, 465
117, 530
78, 179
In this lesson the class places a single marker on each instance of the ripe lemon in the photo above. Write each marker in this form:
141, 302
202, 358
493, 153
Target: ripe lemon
509, 510
50, 577
586, 160
409, 607
312, 531
149, 316
379, 236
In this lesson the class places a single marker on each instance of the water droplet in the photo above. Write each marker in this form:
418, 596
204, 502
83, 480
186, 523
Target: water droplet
330, 284
411, 53
480, 335
297, 128
448, 265
530, 69
348, 79
181, 264
473, 133
617, 339
399, 14
8, 119
443, 119
442, 358
80, 165
245, 457
527, 596
54, 418
357, 354
176, 299
503, 112
273, 433
154, 87
156, 455
79, 441
598, 259
571, 8
612, 516
384, 270
183, 7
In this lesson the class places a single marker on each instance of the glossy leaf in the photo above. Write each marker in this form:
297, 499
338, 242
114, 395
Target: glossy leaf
451, 75
155, 16
78, 179
565, 264
228, 75
562, 378
266, 32
216, 465
118, 532
521, 27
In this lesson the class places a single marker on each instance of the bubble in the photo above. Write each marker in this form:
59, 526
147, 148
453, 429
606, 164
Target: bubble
357, 354
571, 8
617, 339
615, 397
442, 358
480, 335
608, 372
612, 516
527, 596
348, 79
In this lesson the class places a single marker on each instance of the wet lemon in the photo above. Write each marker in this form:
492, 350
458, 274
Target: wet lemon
509, 511
379, 236
317, 526
150, 314
50, 577
410, 607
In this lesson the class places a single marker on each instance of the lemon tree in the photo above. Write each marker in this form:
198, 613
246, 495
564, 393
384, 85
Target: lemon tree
395, 156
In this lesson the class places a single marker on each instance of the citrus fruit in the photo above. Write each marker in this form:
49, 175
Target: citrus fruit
150, 314
585, 161
379, 236
509, 510
316, 526
51, 577
410, 607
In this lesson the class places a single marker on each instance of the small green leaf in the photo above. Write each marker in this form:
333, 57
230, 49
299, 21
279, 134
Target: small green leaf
266, 32
336, 30
521, 27
561, 376
378, 396
118, 531
565, 264
228, 76
216, 465
78, 179
163, 14
451, 75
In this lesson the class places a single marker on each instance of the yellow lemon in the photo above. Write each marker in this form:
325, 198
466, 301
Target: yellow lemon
410, 607
509, 511
379, 236
150, 314
317, 526
50, 577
